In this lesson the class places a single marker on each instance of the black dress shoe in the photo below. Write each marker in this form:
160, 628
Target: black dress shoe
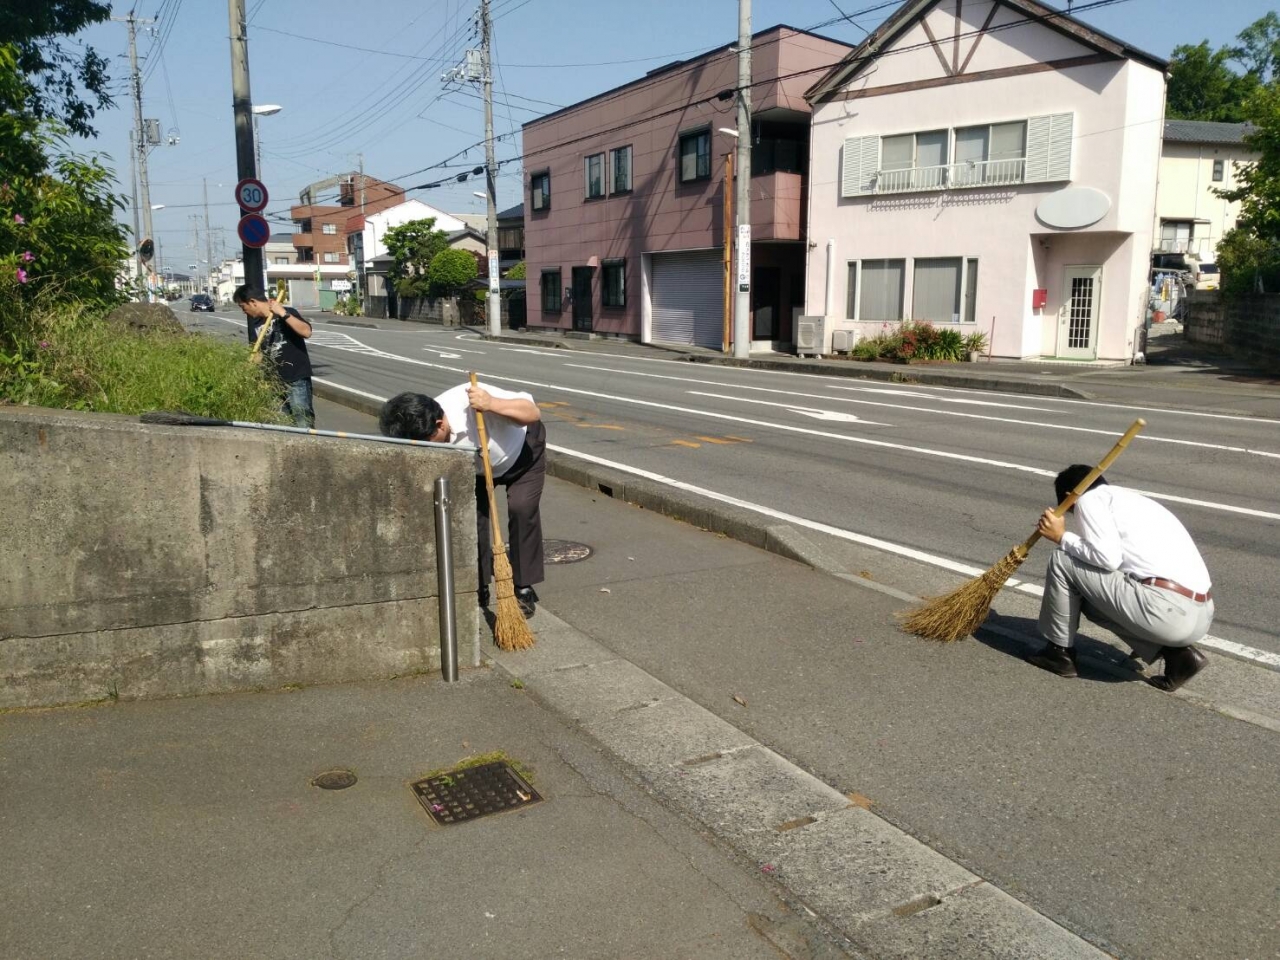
483, 595
528, 600
1180, 665
1056, 659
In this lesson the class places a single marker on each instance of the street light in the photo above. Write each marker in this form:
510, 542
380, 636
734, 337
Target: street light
157, 206
261, 110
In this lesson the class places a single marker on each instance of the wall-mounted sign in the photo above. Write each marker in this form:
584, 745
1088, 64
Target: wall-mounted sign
744, 256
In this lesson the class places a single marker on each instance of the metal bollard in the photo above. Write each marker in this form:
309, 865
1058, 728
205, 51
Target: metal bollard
444, 576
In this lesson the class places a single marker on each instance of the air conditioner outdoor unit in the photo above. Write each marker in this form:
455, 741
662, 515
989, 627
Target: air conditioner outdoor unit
842, 341
809, 336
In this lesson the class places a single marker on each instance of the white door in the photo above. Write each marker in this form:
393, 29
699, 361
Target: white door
1078, 316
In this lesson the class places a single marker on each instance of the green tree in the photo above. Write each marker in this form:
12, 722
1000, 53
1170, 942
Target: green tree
413, 245
517, 272
1258, 48
1250, 254
1203, 87
451, 270
62, 85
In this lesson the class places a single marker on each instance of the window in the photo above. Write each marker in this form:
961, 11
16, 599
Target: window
971, 291
511, 238
331, 258
595, 176
914, 161
779, 147
1219, 171
329, 228
935, 290
551, 291
851, 292
882, 286
620, 170
540, 190
1176, 236
614, 279
993, 153
695, 156
281, 260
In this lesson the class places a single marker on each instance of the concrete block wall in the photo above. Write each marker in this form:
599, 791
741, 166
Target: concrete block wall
1248, 326
141, 561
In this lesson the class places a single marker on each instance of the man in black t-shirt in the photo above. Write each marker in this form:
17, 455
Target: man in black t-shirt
284, 346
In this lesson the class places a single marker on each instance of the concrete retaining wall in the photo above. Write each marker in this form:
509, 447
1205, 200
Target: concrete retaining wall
140, 561
1248, 325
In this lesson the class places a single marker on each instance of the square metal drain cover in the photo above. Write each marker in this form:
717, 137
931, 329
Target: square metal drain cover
462, 795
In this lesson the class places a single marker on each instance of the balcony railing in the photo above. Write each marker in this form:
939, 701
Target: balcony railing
1196, 246
953, 176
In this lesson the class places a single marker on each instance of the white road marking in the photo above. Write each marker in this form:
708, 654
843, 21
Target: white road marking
844, 438
833, 415
444, 355
1260, 657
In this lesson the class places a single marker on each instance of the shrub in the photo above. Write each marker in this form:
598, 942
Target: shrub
976, 341
450, 271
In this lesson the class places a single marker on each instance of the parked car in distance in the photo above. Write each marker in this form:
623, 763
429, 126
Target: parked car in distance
202, 301
1208, 277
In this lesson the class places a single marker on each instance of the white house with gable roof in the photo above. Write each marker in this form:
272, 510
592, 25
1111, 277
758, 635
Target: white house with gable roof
988, 165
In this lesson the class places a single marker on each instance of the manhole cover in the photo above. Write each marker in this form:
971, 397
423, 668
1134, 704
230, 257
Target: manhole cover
565, 551
463, 795
335, 780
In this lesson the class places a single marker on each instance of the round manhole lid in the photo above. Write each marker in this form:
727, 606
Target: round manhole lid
565, 551
335, 780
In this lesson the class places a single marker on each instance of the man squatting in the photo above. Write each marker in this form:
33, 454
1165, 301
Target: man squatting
1131, 568
517, 448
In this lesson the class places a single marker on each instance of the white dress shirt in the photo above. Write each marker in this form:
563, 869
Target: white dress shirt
1123, 530
506, 439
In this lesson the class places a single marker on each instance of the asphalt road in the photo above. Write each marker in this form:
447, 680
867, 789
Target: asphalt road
950, 477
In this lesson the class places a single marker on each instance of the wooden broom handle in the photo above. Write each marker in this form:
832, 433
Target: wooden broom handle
498, 545
1082, 487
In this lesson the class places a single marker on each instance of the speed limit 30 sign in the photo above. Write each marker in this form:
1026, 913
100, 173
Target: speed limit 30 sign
251, 194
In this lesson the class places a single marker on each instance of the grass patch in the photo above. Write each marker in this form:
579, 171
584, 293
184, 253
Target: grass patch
67, 355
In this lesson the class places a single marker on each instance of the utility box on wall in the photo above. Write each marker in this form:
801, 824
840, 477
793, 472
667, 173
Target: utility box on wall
1039, 298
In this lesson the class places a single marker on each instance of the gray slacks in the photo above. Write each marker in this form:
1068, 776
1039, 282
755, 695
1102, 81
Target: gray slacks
1145, 617
524, 482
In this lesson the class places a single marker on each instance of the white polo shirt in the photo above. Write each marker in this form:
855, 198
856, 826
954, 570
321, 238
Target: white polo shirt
1123, 530
506, 439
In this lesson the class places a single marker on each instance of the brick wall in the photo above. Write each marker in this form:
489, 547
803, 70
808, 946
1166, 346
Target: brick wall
1247, 325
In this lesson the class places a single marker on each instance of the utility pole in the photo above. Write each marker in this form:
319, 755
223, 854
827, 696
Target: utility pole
208, 234
493, 303
742, 306
242, 105
137, 239
728, 247
139, 138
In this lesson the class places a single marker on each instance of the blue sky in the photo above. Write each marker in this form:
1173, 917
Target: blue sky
387, 100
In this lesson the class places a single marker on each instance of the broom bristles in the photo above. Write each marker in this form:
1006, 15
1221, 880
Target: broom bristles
963, 610
510, 629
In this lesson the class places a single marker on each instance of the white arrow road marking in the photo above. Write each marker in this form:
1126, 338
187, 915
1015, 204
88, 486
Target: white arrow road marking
445, 355
1261, 657
833, 415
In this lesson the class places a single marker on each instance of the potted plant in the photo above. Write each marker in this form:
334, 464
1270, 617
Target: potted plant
975, 344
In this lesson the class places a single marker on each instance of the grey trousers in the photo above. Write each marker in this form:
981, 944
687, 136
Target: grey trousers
1145, 617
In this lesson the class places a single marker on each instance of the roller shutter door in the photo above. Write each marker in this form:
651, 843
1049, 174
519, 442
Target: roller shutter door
688, 298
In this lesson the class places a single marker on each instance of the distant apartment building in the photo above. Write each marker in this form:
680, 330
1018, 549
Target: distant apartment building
988, 166
625, 192
320, 217
1196, 160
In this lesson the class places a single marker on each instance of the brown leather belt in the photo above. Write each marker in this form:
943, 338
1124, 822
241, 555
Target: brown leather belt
1177, 588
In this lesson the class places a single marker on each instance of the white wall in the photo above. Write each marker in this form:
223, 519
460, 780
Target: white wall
1117, 107
377, 224
1187, 185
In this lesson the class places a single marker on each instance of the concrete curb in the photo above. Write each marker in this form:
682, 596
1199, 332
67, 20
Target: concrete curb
887, 892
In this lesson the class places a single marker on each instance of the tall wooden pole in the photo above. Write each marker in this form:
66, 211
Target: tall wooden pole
728, 247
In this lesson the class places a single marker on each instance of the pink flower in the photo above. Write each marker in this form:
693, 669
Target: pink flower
17, 218
27, 256
44, 345
22, 275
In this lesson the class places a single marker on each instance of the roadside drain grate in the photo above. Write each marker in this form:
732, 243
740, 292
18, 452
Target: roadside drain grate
462, 795
565, 551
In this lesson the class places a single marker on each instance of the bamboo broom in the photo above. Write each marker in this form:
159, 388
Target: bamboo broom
963, 610
510, 630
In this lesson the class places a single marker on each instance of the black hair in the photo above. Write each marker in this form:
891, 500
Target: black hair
245, 292
1066, 481
410, 416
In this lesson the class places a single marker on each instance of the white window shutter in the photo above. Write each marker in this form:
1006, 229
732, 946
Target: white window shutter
1049, 148
859, 163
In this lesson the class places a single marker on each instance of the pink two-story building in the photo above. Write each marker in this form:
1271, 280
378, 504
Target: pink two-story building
625, 194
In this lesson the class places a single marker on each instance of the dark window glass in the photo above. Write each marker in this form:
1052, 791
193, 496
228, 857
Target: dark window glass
551, 291
615, 283
540, 190
595, 176
695, 156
